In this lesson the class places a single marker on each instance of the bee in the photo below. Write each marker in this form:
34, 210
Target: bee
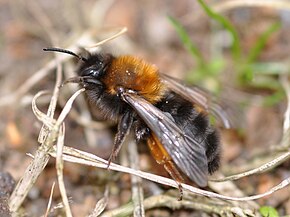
169, 116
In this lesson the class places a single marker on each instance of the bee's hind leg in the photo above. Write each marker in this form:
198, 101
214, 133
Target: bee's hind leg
162, 157
175, 174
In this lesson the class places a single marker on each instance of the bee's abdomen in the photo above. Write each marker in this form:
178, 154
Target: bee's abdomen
212, 151
195, 125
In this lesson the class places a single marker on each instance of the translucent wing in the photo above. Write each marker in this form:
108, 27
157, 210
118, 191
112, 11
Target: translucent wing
198, 96
185, 151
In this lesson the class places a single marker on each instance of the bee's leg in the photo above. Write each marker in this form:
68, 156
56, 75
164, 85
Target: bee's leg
174, 173
162, 157
124, 127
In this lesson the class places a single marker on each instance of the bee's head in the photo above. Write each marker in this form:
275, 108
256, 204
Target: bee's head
91, 69
95, 66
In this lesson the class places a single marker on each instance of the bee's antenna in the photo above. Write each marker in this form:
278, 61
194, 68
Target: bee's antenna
65, 51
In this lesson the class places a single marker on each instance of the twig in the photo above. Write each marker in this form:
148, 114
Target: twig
36, 165
206, 205
40, 159
136, 182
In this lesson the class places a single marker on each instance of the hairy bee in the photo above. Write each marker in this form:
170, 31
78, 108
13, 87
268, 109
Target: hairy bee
169, 116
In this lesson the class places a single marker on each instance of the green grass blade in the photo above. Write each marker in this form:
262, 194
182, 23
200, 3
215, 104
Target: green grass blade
190, 46
261, 42
236, 47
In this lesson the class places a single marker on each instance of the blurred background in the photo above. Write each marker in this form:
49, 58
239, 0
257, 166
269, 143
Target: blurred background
237, 50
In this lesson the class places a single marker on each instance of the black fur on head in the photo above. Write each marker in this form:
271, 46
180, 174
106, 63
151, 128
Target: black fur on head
95, 65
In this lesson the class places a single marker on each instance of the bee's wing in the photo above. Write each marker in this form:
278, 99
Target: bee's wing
185, 151
199, 97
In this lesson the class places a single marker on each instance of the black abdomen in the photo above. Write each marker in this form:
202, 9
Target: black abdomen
193, 124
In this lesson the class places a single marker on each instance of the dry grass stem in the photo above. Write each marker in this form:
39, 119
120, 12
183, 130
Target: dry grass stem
48, 121
81, 157
41, 156
284, 79
136, 182
59, 170
53, 101
49, 201
101, 204
29, 177
267, 166
206, 205
120, 32
37, 164
67, 107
